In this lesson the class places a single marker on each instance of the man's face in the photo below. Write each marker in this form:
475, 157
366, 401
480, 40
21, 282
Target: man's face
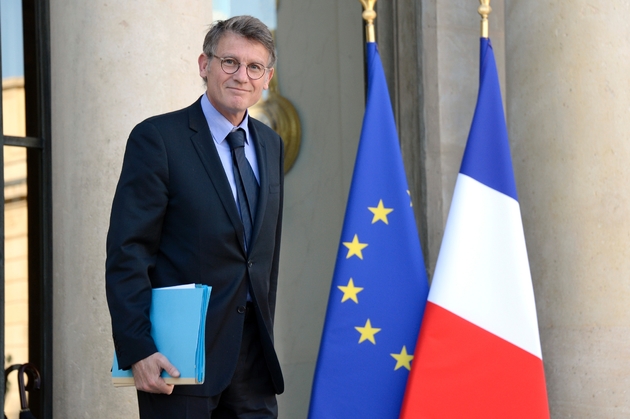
232, 94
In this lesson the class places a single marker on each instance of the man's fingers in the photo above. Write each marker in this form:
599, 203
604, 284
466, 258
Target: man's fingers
155, 385
168, 367
146, 374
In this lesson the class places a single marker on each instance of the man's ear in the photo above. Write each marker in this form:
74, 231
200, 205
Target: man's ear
203, 62
269, 76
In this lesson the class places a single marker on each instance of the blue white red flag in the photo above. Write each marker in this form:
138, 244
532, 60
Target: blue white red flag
478, 353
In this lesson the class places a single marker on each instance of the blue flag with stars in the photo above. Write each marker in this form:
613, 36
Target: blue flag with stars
379, 288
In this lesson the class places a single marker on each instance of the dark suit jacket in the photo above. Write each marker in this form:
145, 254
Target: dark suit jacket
174, 221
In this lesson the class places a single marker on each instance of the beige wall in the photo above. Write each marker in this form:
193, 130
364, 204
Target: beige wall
568, 109
114, 63
320, 70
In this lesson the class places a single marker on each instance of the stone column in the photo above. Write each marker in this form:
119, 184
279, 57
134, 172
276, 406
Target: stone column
320, 70
450, 77
568, 98
114, 63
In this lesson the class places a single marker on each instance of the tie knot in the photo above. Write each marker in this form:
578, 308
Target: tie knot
236, 138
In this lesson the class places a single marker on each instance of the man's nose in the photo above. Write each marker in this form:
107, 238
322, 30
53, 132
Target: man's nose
241, 73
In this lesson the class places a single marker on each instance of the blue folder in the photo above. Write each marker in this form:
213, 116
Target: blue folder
178, 327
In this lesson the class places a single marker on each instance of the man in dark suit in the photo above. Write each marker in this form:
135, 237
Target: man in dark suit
178, 217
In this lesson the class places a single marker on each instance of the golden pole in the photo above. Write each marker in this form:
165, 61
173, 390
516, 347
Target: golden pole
484, 10
369, 15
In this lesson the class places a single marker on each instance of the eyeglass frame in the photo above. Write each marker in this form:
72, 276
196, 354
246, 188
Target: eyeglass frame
265, 69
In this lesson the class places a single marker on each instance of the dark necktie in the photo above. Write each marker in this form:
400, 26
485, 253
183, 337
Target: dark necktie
246, 184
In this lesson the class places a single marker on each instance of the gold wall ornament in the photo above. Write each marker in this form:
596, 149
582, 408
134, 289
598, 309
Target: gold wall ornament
369, 15
484, 10
277, 112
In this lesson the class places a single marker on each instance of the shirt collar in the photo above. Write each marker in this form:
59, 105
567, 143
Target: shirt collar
219, 126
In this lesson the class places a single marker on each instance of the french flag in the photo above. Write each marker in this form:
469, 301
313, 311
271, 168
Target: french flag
478, 353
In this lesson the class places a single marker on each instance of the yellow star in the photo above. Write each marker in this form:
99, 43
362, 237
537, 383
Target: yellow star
350, 291
403, 359
367, 332
380, 212
355, 248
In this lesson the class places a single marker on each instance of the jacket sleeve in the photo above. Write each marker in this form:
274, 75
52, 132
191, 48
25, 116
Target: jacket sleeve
133, 239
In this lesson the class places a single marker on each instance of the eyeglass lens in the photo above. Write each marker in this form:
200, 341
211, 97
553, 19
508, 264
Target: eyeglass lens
231, 66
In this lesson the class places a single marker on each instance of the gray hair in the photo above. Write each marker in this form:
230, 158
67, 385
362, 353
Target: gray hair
247, 26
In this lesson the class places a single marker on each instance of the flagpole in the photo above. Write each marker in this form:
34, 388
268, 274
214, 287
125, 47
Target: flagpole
369, 15
484, 10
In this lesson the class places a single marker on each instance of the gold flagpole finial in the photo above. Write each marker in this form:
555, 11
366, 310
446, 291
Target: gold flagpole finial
484, 10
369, 15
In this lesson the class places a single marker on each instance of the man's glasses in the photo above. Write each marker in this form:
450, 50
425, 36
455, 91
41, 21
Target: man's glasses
230, 65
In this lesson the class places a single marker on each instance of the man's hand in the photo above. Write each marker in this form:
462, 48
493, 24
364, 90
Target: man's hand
146, 374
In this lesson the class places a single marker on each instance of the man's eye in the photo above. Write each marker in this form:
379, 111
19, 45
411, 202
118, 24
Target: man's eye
256, 67
230, 61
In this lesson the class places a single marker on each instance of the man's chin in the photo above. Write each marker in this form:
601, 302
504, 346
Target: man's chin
241, 104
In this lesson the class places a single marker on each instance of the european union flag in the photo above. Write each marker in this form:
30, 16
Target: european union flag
380, 287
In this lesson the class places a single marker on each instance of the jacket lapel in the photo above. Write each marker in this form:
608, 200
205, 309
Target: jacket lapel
263, 175
204, 145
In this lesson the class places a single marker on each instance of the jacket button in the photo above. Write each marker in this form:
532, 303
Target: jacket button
250, 264
240, 309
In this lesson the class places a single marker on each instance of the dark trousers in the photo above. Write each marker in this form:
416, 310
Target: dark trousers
250, 394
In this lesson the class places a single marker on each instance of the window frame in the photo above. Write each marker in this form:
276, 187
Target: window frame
36, 29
